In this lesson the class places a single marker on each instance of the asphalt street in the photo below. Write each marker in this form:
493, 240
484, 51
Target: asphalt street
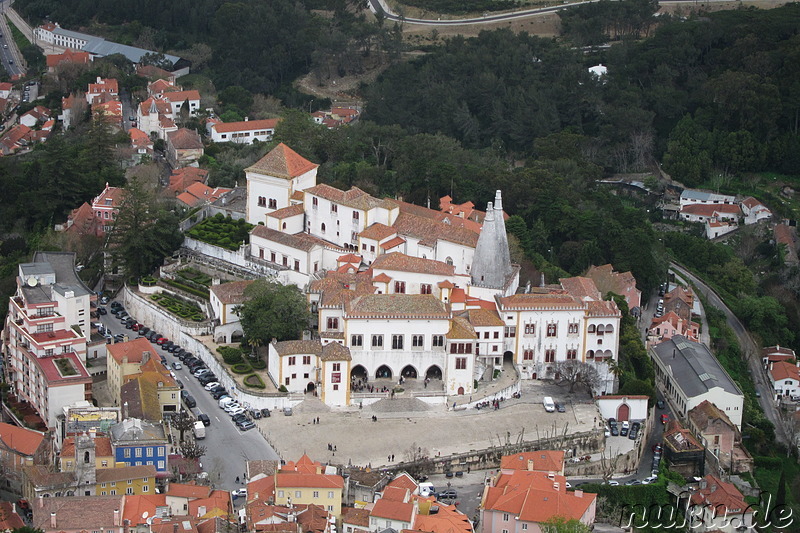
227, 448
7, 46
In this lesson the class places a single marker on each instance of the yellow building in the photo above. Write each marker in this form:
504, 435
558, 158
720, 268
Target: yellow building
135, 480
136, 360
125, 360
103, 454
305, 482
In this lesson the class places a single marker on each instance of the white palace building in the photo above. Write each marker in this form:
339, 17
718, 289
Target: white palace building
410, 291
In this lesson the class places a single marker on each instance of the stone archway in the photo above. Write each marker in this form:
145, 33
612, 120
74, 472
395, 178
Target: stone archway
433, 372
383, 372
461, 391
310, 387
359, 372
409, 372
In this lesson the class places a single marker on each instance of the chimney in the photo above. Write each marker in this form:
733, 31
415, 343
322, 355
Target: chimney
246, 119
41, 501
125, 411
201, 510
175, 528
578, 493
53, 520
99, 79
116, 518
14, 507
145, 357
556, 486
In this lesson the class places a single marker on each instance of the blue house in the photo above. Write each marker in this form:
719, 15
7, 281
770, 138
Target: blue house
139, 442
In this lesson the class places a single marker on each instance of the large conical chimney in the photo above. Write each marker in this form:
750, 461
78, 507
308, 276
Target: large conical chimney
491, 264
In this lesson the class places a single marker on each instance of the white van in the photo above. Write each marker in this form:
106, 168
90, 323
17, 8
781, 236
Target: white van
426, 489
224, 401
549, 404
199, 430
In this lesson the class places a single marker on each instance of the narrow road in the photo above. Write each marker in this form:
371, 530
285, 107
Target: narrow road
749, 350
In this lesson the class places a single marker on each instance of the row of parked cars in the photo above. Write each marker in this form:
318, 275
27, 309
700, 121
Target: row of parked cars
626, 429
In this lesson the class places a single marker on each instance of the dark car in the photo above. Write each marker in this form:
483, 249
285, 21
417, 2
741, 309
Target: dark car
614, 430
177, 353
179, 382
102, 311
204, 419
240, 417
119, 337
449, 494
219, 394
190, 401
173, 348
265, 412
245, 425
184, 394
660, 404
560, 408
166, 346
255, 414
219, 388
208, 378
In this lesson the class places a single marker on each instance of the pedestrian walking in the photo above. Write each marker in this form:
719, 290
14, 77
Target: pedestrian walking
237, 480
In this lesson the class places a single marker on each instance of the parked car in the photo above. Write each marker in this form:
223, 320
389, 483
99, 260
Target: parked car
239, 493
190, 401
176, 365
218, 388
650, 479
560, 408
633, 482
287, 411
102, 311
104, 301
239, 417
179, 382
614, 430
204, 419
664, 418
657, 448
211, 385
245, 426
449, 494
624, 429
660, 404
205, 380
265, 412
255, 414
612, 483
219, 394
236, 411
161, 340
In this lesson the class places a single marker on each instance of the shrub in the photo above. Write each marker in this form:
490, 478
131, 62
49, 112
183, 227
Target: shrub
242, 368
230, 355
258, 364
255, 381
282, 388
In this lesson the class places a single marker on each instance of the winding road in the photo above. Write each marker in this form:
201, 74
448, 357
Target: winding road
749, 350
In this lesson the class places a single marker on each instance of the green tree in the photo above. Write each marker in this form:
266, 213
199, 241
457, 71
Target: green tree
273, 311
144, 233
27, 529
559, 524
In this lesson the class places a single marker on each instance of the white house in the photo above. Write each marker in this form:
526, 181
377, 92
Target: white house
177, 99
785, 379
244, 132
754, 211
621, 407
693, 196
306, 366
224, 298
687, 373
701, 212
274, 180
717, 228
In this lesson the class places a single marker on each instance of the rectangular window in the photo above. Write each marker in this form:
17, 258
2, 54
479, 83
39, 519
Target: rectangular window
161, 465
272, 256
438, 341
524, 527
273, 203
104, 464
416, 341
296, 265
505, 517
425, 288
149, 451
397, 342
552, 330
129, 491
334, 208
400, 287
355, 215
113, 493
530, 329
314, 201
162, 450
511, 331
306, 359
337, 367
145, 488
527, 355
126, 452
461, 363
572, 329
298, 494
377, 341
572, 354
292, 360
356, 340
330, 494
280, 494
287, 382
315, 494
549, 356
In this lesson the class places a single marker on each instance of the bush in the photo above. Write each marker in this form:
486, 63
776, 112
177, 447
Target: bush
230, 355
241, 368
255, 381
258, 364
282, 388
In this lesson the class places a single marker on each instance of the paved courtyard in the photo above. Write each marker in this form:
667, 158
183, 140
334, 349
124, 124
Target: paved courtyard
405, 423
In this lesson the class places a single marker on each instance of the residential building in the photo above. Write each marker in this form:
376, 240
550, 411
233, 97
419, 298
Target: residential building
138, 442
363, 484
46, 333
106, 206
692, 197
687, 373
101, 87
785, 378
5, 90
125, 360
70, 458
79, 514
669, 325
395, 509
623, 283
224, 298
68, 57
141, 143
754, 211
774, 354
179, 496
699, 212
182, 178
178, 99
140, 511
336, 116
16, 138
717, 228
21, 447
786, 240
523, 500
198, 194
680, 301
244, 132
538, 461
83, 417
682, 451
259, 516
717, 433
355, 519
719, 506
36, 116
184, 147
154, 116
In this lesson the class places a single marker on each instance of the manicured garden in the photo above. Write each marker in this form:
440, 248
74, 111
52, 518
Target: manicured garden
65, 366
222, 231
179, 307
239, 364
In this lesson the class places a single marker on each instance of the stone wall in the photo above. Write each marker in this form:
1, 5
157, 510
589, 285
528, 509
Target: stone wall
154, 317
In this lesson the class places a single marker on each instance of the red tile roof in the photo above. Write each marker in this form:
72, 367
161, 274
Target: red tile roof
709, 210
102, 447
136, 507
354, 197
246, 125
133, 350
396, 261
115, 194
393, 510
298, 479
541, 461
403, 481
282, 162
304, 465
24, 441
392, 243
721, 496
784, 370
396, 306
184, 177
185, 139
198, 193
286, 212
9, 519
377, 232
181, 96
231, 293
69, 56
188, 490
428, 231
396, 494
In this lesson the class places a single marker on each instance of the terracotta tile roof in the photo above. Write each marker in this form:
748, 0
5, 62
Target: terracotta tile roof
392, 243
460, 328
706, 412
721, 496
199, 193
142, 399
215, 505
6, 86
544, 299
484, 318
297, 196
298, 347
150, 72
9, 519
232, 292
69, 56
337, 287
428, 231
581, 288
542, 461
785, 234
392, 510
185, 139
24, 441
42, 477
404, 481
680, 293
262, 466
137, 505
784, 370
533, 497
161, 107
282, 162
396, 261
445, 284
349, 258
355, 517
261, 488
182, 178
777, 350
247, 125
377, 232
710, 210
181, 96
184, 524
382, 278
102, 447
607, 308
104, 85
396, 494
161, 85
447, 219
115, 194
286, 212
296, 479
188, 490
447, 520
680, 439
397, 306
355, 197
299, 241
751, 202
83, 220
334, 351
77, 513
122, 473
133, 350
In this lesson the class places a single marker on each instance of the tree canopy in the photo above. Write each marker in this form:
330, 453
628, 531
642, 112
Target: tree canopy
273, 311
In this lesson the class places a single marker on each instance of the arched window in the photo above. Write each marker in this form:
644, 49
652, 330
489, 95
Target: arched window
322, 228
86, 457
609, 329
284, 225
449, 261
592, 328
600, 329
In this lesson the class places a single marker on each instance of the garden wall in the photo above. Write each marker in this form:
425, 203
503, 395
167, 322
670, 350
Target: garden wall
237, 258
151, 315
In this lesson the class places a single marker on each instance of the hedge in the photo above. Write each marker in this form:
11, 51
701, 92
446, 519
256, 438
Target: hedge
230, 355
258, 364
770, 463
242, 368
255, 381
191, 290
